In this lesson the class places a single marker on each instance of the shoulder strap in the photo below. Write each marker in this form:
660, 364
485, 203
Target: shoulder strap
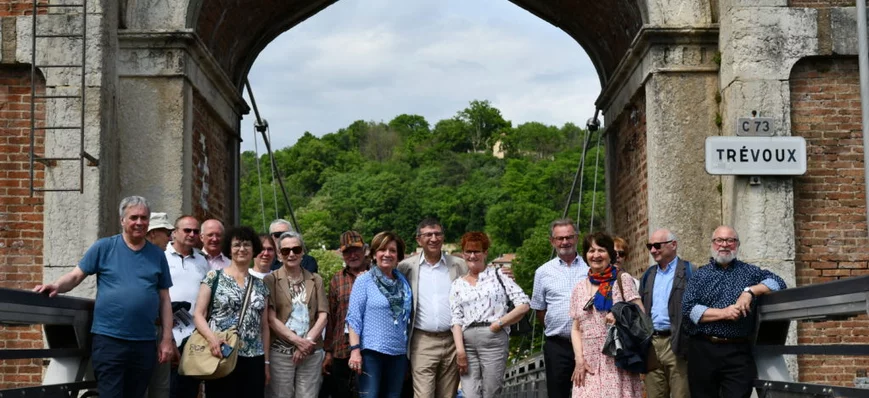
244, 305
509, 302
213, 289
619, 281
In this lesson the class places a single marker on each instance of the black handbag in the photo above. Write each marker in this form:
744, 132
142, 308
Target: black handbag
522, 327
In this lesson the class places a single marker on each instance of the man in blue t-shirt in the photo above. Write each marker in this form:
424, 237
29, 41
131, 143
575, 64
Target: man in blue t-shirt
133, 284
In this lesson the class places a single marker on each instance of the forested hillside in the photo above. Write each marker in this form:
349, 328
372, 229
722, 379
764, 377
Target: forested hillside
375, 176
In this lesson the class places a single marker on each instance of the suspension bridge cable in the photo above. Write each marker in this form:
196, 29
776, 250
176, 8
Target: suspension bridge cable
263, 128
259, 180
594, 191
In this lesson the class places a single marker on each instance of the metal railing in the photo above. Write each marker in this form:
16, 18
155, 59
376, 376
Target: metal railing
835, 300
66, 323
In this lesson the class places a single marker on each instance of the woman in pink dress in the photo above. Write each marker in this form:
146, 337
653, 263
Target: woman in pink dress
596, 375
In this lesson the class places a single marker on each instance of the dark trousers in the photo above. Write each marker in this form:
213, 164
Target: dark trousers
720, 370
382, 375
558, 358
341, 382
122, 367
248, 379
183, 386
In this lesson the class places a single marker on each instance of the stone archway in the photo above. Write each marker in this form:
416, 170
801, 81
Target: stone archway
164, 107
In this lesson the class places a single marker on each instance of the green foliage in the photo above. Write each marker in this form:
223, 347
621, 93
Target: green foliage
329, 263
375, 176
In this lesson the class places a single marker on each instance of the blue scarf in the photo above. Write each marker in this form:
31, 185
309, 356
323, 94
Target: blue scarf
396, 291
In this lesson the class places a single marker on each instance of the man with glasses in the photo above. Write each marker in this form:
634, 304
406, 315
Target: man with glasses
431, 348
553, 284
212, 238
188, 268
278, 227
719, 302
661, 289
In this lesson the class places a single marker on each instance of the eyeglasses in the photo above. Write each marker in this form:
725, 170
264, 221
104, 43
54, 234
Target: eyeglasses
295, 249
620, 253
277, 235
563, 238
268, 249
473, 252
723, 241
429, 235
194, 231
239, 245
657, 245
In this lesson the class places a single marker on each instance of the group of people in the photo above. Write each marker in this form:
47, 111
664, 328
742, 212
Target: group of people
698, 315
392, 326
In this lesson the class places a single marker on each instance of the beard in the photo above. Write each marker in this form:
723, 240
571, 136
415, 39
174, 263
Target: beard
723, 259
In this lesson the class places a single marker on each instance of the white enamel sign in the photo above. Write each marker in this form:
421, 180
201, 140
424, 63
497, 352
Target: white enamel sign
756, 156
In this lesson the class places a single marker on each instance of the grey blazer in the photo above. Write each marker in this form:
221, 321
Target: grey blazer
410, 268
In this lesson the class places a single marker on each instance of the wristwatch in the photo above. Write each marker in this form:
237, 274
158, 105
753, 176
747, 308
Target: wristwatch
748, 290
353, 347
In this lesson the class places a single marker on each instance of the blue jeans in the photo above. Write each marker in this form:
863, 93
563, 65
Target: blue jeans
382, 375
122, 367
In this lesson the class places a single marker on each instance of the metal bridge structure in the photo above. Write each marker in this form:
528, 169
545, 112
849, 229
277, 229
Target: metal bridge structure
66, 323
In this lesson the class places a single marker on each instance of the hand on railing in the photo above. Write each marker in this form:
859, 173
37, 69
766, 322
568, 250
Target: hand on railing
50, 289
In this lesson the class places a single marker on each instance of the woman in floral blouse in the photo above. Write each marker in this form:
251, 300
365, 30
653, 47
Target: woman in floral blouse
250, 375
478, 302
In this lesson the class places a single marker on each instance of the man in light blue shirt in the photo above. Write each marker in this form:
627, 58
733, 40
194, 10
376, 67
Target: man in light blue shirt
553, 284
661, 289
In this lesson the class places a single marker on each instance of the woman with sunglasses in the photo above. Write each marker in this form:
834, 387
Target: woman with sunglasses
377, 319
595, 374
298, 314
262, 264
248, 379
478, 302
622, 250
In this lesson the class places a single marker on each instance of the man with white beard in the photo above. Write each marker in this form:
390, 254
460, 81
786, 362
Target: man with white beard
719, 301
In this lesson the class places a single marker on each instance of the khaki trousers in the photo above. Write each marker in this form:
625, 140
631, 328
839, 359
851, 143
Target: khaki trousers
433, 365
291, 380
671, 379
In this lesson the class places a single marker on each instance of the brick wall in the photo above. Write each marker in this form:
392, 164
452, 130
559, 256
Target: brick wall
21, 216
829, 204
211, 163
629, 182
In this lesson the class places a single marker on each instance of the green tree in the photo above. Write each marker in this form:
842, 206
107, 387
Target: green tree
483, 121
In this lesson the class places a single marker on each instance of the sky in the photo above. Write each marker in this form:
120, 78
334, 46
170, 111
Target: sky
376, 59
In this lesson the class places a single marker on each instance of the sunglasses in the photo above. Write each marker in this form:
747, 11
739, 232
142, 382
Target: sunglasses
657, 245
193, 231
295, 249
276, 235
621, 253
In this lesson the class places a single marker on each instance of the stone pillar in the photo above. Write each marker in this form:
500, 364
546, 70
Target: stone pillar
754, 77
677, 69
160, 73
73, 220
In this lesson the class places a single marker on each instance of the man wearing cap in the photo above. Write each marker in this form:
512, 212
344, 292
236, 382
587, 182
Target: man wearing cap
280, 226
337, 344
159, 230
188, 267
431, 348
212, 237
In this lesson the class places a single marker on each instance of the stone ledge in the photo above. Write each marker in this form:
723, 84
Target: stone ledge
652, 51
181, 54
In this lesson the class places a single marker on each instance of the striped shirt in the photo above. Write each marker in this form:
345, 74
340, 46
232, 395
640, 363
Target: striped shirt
553, 284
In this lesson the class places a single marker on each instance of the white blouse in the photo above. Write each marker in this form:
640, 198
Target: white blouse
485, 302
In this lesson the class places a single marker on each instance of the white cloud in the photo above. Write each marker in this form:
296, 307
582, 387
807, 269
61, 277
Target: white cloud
376, 59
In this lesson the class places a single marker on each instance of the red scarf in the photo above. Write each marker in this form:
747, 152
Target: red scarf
603, 298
